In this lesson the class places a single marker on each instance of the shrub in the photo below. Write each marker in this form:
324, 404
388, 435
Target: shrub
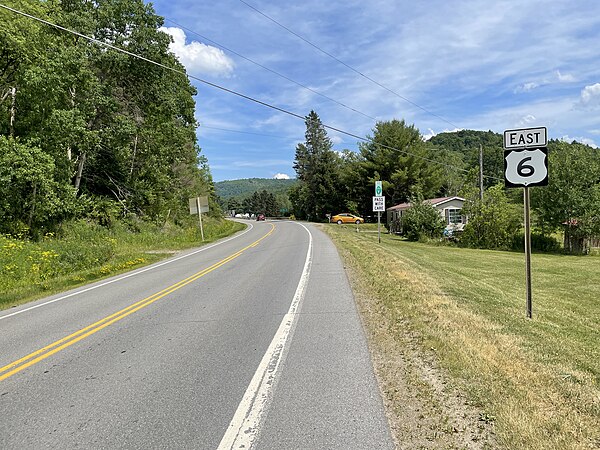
422, 221
539, 241
493, 223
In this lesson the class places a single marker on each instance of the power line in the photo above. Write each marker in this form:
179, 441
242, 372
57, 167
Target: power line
244, 96
242, 132
269, 69
347, 65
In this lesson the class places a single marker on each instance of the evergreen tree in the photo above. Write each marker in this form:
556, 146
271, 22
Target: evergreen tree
397, 156
318, 171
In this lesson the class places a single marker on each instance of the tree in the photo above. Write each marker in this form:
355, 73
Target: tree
262, 202
397, 156
317, 167
116, 128
422, 221
466, 144
30, 197
571, 201
493, 223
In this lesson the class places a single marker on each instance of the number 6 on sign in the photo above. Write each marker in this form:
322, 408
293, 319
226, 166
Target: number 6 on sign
526, 167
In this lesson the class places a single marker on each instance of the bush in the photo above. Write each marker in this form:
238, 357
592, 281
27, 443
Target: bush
422, 221
539, 242
494, 223
31, 199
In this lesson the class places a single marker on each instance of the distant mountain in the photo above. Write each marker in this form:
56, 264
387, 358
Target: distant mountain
466, 141
247, 186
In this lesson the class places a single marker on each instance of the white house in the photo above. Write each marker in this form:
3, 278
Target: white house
450, 209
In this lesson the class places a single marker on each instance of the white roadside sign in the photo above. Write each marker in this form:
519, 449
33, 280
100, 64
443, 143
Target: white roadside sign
526, 167
379, 203
193, 204
526, 138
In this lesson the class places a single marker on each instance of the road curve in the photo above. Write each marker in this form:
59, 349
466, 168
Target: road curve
254, 341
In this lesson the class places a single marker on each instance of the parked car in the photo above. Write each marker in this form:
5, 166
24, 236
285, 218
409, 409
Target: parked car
260, 217
346, 218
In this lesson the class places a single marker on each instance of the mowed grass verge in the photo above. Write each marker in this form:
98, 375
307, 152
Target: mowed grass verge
87, 252
537, 381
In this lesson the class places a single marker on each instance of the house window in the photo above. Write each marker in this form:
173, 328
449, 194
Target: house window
453, 216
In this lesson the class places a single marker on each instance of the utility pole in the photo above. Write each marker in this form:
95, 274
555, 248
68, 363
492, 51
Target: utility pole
480, 173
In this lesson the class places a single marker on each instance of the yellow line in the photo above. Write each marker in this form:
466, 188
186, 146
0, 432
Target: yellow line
67, 341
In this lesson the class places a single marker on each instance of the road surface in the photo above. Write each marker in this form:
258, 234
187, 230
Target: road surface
251, 342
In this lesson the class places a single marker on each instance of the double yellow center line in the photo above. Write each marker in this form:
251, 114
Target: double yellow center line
49, 350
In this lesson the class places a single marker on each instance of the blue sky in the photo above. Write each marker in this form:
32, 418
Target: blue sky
478, 64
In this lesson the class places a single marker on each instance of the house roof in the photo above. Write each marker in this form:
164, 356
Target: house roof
432, 201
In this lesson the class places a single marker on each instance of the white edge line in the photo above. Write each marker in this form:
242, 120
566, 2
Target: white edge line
131, 274
245, 425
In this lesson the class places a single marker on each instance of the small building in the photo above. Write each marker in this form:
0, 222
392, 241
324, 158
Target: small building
450, 209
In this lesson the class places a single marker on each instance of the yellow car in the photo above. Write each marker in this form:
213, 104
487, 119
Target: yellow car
346, 218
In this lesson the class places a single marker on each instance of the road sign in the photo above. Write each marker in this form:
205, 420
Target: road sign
378, 189
526, 138
193, 203
526, 168
378, 203
198, 206
526, 165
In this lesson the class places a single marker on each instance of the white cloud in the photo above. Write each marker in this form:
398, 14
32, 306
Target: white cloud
428, 135
582, 140
590, 96
526, 120
281, 176
432, 133
336, 139
566, 78
198, 57
527, 87
594, 131
547, 80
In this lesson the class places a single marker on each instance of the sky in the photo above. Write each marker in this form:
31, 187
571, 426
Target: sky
441, 65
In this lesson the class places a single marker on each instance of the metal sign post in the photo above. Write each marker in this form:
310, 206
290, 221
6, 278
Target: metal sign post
527, 250
199, 205
378, 206
200, 217
526, 165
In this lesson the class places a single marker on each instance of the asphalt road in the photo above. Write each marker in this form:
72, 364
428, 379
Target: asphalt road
252, 342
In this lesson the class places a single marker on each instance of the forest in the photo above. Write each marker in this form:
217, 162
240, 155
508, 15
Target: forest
91, 133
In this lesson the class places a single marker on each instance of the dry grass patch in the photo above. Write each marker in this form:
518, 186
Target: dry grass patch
447, 329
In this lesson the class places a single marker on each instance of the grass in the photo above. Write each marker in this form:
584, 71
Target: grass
537, 381
84, 252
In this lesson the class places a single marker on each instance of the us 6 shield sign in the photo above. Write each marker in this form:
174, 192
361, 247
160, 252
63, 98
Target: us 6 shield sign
525, 168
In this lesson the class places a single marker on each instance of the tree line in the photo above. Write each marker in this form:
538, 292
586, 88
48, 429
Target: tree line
412, 169
86, 131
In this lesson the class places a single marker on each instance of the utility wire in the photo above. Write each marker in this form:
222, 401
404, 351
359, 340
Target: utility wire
347, 65
269, 69
230, 91
229, 130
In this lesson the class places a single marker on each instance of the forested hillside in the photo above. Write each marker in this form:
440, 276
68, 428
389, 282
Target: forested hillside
86, 131
466, 143
245, 187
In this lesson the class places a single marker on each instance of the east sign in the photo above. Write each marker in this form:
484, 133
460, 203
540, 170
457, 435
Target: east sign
526, 165
526, 157
526, 138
